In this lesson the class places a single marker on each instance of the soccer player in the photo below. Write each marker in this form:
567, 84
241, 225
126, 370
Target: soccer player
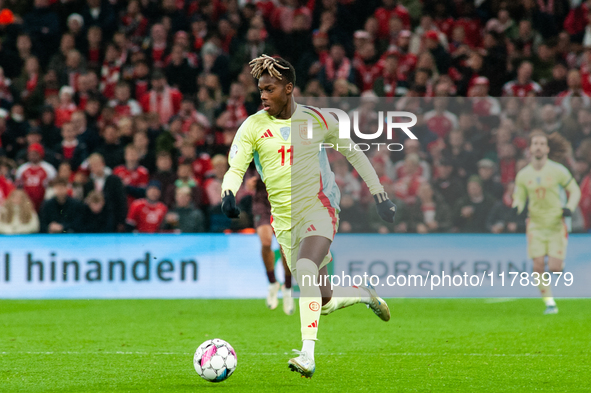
261, 209
304, 198
543, 182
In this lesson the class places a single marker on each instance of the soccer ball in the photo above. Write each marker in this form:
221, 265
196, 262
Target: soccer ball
215, 360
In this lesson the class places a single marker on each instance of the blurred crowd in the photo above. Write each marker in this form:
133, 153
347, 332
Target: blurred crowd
117, 115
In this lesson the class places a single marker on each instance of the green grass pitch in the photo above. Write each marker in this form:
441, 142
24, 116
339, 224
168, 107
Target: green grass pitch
430, 345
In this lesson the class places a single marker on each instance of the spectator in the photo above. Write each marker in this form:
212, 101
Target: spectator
486, 172
352, 217
99, 13
430, 214
406, 187
146, 215
96, 217
58, 60
463, 160
134, 23
184, 217
51, 135
522, 86
123, 104
6, 185
185, 178
254, 46
63, 113
180, 74
162, 99
336, 66
34, 136
390, 82
440, 55
62, 213
164, 172
156, 52
470, 212
134, 177
35, 174
503, 218
411, 146
93, 50
201, 164
146, 155
70, 149
213, 192
30, 86
43, 26
14, 137
111, 187
111, 71
18, 215
64, 171
441, 121
111, 148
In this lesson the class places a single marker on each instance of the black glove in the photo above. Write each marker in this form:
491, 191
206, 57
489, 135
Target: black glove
386, 209
229, 207
566, 212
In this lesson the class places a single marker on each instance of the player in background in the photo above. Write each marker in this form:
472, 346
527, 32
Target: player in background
261, 210
544, 183
305, 235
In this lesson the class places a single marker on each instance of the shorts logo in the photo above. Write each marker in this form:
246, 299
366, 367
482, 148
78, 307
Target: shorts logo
311, 228
314, 306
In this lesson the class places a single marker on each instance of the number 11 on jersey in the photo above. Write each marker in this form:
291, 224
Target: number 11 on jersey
282, 151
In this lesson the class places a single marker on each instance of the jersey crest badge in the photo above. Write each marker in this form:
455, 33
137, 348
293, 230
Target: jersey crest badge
233, 151
304, 131
284, 131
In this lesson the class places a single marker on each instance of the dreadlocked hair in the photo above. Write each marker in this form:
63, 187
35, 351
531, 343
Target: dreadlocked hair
277, 67
560, 147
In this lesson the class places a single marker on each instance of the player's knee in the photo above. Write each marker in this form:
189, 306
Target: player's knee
306, 266
555, 264
325, 300
539, 265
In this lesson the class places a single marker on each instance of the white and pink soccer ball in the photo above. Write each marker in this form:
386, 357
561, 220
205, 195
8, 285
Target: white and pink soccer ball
215, 360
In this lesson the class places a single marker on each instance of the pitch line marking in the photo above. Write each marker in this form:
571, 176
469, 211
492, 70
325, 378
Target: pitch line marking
279, 354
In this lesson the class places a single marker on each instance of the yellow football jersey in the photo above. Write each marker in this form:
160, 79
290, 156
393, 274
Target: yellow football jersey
293, 167
545, 190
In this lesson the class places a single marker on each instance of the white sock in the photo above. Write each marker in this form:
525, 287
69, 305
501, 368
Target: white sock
549, 301
308, 347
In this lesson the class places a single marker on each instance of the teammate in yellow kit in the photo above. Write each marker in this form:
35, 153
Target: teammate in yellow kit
545, 183
303, 195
